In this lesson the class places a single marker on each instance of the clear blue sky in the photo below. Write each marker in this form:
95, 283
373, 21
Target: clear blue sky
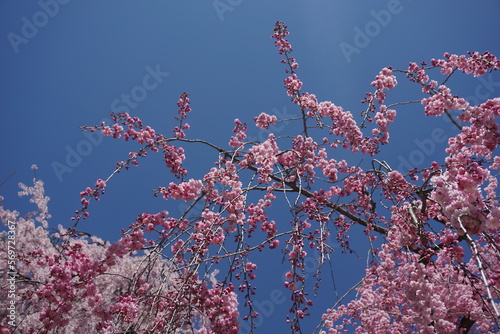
66, 64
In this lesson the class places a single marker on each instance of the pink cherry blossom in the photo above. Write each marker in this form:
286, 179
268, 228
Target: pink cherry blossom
264, 120
432, 233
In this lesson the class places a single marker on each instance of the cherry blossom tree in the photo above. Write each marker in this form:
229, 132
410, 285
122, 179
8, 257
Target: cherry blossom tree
70, 282
433, 231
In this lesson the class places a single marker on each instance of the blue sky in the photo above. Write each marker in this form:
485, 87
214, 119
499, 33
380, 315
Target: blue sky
69, 63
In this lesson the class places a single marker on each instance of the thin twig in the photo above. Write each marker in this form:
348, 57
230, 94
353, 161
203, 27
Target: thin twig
8, 177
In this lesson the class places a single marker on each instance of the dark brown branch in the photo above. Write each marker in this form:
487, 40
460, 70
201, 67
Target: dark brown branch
466, 323
331, 205
294, 187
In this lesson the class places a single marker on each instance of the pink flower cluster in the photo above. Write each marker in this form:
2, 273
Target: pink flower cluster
467, 189
397, 188
232, 199
343, 123
132, 128
264, 120
407, 289
421, 76
417, 74
240, 129
443, 101
459, 191
475, 63
384, 80
125, 307
263, 155
256, 213
280, 32
403, 294
293, 85
186, 191
481, 137
220, 306
84, 285
383, 118
87, 195
184, 108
